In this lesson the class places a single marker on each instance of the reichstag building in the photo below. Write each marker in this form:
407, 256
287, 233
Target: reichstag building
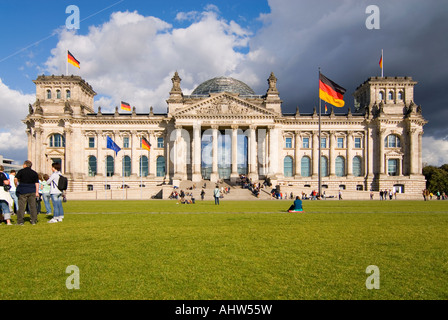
224, 130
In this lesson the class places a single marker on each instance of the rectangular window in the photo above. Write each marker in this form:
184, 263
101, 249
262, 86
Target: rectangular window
323, 142
392, 167
306, 143
160, 143
126, 142
358, 143
91, 142
288, 143
340, 143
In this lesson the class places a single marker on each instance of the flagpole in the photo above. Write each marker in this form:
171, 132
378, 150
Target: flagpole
141, 168
320, 145
66, 63
382, 64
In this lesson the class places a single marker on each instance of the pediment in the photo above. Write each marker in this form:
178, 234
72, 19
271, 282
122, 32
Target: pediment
224, 105
394, 153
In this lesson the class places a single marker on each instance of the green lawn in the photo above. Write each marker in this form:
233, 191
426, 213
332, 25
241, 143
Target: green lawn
239, 250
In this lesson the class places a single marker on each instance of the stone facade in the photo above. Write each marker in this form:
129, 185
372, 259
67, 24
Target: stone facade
205, 136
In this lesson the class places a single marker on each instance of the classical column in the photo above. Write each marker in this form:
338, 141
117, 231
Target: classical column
135, 157
316, 155
178, 154
100, 155
234, 175
382, 169
261, 152
413, 155
68, 155
273, 152
349, 161
214, 175
332, 158
253, 154
197, 153
368, 147
297, 160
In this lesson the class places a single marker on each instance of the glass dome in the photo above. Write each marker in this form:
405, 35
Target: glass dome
223, 84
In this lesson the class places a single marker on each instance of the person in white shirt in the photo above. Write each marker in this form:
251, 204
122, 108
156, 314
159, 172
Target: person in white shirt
56, 194
13, 189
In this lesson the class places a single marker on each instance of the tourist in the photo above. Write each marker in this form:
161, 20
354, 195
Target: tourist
381, 194
216, 194
340, 195
28, 191
6, 202
45, 190
202, 194
12, 191
56, 194
296, 206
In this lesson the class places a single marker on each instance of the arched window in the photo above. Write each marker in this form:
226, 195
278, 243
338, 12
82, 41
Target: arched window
110, 166
381, 95
357, 166
92, 166
68, 94
57, 141
144, 166
58, 94
126, 166
287, 166
340, 166
391, 95
324, 166
305, 166
392, 141
48, 94
400, 95
161, 166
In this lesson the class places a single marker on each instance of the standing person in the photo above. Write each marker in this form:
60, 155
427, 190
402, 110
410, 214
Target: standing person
56, 194
45, 189
28, 190
340, 195
5, 197
381, 194
202, 194
12, 191
216, 194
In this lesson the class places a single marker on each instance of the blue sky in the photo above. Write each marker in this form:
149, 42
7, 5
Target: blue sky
130, 49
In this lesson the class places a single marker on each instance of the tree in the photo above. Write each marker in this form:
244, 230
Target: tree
436, 178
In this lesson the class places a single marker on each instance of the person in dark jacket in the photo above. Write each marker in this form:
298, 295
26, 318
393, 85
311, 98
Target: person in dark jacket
28, 191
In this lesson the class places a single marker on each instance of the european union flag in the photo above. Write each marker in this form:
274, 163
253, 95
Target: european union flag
112, 145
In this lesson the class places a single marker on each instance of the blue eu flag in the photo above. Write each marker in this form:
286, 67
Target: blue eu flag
112, 145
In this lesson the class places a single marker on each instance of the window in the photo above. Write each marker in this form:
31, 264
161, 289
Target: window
92, 166
390, 95
57, 141
392, 167
340, 166
323, 142
161, 166
58, 94
381, 95
48, 94
160, 143
110, 166
392, 141
305, 167
91, 142
359, 187
340, 143
107, 187
89, 187
126, 166
306, 143
400, 95
144, 166
287, 166
357, 166
288, 143
68, 94
126, 142
324, 166
357, 142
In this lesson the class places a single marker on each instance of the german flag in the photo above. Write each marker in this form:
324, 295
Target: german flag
71, 59
331, 92
381, 61
145, 144
125, 106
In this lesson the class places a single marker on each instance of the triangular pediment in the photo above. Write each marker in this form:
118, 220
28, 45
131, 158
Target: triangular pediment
394, 153
224, 104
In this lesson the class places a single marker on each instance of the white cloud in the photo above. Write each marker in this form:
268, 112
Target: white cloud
132, 57
14, 107
435, 151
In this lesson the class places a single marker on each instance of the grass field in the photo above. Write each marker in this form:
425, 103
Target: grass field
239, 250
